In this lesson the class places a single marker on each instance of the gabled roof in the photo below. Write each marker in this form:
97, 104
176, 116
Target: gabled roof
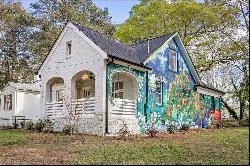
111, 47
147, 47
136, 53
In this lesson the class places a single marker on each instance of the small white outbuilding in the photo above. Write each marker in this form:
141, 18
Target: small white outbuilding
19, 101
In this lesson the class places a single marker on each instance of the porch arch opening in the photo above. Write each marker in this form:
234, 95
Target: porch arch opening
83, 85
55, 89
124, 86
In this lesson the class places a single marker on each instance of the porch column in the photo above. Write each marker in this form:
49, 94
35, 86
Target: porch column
100, 95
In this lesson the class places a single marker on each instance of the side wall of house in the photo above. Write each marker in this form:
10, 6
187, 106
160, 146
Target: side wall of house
84, 56
6, 115
28, 105
181, 104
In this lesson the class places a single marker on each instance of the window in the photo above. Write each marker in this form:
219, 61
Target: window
86, 93
159, 92
212, 103
202, 96
59, 95
8, 102
173, 60
69, 46
117, 89
172, 45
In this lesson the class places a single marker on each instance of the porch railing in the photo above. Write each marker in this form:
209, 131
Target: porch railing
83, 106
55, 109
79, 106
123, 107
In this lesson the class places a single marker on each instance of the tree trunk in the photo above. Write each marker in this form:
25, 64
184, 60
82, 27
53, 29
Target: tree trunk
230, 110
242, 105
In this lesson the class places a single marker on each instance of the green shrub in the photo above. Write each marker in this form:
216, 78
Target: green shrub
185, 127
39, 125
209, 126
171, 128
67, 129
244, 123
48, 126
15, 125
123, 132
217, 125
229, 123
152, 132
29, 126
22, 125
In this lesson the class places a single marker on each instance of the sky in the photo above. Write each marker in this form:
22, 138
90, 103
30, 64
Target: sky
118, 9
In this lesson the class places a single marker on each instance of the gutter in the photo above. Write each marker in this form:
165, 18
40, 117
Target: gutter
146, 104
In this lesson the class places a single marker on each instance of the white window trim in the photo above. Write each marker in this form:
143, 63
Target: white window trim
176, 60
5, 108
118, 90
161, 92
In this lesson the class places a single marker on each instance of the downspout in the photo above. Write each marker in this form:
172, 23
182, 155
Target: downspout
146, 104
106, 111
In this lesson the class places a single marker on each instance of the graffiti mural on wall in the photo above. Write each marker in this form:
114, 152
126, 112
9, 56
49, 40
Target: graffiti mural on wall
141, 91
171, 95
181, 104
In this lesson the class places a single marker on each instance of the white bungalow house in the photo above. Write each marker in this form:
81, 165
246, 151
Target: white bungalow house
109, 84
19, 101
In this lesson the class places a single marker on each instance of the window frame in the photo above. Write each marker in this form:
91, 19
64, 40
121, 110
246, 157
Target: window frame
8, 107
212, 103
175, 60
58, 94
161, 92
68, 49
118, 90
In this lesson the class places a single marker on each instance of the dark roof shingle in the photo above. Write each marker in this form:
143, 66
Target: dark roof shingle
136, 53
147, 47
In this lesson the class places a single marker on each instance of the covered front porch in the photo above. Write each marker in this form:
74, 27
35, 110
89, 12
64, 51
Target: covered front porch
81, 99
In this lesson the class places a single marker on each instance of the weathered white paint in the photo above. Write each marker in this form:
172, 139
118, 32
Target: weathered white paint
24, 103
85, 56
27, 104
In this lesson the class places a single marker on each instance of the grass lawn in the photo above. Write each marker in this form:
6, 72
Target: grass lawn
203, 146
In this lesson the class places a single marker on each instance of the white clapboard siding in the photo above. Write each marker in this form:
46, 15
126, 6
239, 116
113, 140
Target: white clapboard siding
123, 107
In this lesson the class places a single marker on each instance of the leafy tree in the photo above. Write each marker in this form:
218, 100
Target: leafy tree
15, 31
215, 33
200, 26
52, 15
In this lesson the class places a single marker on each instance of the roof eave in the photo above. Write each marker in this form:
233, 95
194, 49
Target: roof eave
132, 63
213, 89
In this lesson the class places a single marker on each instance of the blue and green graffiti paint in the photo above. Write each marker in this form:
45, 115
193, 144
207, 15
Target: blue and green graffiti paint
141, 81
181, 104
